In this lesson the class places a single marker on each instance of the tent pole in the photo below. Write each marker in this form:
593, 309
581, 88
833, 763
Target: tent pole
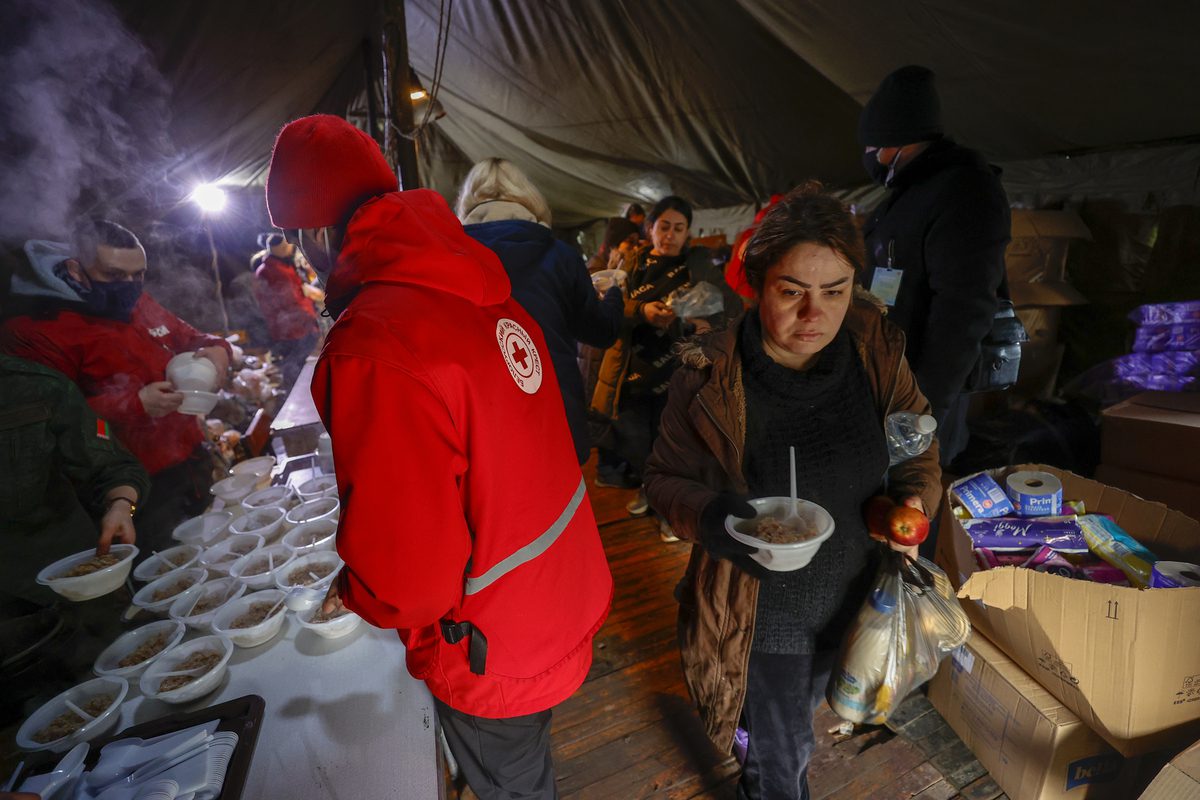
369, 74
395, 49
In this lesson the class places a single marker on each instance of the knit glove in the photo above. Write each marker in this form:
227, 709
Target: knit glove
713, 536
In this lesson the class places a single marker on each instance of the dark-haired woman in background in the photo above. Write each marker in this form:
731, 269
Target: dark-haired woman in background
632, 387
807, 368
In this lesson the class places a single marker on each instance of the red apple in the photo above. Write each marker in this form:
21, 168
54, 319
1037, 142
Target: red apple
875, 512
907, 526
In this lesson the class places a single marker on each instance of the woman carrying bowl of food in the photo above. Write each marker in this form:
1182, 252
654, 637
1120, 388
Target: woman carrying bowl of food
817, 368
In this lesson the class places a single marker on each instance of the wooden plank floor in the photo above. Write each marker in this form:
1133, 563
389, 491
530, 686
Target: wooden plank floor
631, 731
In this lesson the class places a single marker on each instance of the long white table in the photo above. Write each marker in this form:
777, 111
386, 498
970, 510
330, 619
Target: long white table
343, 718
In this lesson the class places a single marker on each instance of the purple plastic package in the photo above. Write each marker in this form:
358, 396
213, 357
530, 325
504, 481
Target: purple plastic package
1185, 363
1048, 560
1020, 533
1098, 571
990, 559
1157, 338
1166, 313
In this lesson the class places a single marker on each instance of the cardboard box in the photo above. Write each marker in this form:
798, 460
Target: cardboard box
1179, 780
1040, 241
1154, 432
1032, 746
1173, 493
1126, 661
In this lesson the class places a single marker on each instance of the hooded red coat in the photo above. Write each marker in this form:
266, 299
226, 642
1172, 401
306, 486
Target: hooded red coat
453, 453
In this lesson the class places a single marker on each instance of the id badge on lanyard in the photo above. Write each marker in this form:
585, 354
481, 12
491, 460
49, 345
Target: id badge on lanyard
885, 283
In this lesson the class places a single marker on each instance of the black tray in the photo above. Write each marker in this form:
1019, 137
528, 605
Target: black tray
242, 715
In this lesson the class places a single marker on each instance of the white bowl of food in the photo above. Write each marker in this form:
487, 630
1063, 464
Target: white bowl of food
270, 497
245, 620
133, 651
784, 544
158, 595
197, 611
314, 571
220, 557
205, 659
328, 626
266, 523
259, 467
204, 530
197, 404
256, 569
312, 536
57, 727
312, 511
167, 561
320, 486
234, 489
85, 576
191, 372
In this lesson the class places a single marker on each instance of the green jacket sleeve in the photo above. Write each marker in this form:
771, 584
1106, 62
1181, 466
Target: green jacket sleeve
89, 453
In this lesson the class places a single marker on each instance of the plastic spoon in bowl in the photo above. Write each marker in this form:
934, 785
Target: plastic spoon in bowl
77, 710
793, 510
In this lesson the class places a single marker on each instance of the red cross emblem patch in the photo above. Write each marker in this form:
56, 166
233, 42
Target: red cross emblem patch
520, 355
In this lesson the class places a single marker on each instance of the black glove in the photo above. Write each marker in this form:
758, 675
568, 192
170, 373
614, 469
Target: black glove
714, 537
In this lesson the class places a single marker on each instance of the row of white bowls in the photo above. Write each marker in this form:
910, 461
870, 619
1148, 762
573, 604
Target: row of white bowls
224, 638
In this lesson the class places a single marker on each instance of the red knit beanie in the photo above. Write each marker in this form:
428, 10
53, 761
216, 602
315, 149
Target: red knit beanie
322, 169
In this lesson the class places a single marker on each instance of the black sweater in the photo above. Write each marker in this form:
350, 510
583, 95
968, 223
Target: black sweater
828, 413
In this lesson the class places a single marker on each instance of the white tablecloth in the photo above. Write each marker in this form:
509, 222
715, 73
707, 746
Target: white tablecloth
343, 719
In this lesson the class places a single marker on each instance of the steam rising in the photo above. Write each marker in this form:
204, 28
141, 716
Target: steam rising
83, 116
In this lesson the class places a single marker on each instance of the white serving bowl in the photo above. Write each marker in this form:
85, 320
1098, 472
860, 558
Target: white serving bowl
312, 511
312, 536
271, 497
234, 489
96, 584
107, 663
204, 530
190, 372
222, 591
320, 486
220, 557
79, 695
782, 557
167, 561
332, 629
266, 523
144, 596
259, 467
278, 553
198, 404
319, 558
202, 685
255, 635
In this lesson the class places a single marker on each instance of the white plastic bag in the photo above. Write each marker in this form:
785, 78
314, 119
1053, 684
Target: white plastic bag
699, 300
910, 622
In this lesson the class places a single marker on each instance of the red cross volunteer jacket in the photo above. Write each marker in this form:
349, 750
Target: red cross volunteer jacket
465, 523
111, 360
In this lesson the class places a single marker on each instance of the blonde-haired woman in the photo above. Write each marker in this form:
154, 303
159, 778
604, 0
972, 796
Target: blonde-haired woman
494, 190
502, 210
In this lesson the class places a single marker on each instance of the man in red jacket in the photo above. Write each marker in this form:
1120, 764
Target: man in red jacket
465, 522
81, 310
285, 303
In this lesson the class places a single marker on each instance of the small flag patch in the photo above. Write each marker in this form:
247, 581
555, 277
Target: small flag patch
102, 431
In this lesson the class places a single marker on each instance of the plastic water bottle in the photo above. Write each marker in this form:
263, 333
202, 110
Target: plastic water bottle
908, 435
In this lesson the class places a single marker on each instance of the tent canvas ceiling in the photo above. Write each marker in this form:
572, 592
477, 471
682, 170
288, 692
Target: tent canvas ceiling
724, 101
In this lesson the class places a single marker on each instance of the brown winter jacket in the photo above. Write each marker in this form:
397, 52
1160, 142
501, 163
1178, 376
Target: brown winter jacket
699, 454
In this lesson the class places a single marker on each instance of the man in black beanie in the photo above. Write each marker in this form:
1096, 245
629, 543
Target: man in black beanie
935, 245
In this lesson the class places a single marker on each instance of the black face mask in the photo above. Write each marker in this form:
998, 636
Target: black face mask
882, 174
110, 300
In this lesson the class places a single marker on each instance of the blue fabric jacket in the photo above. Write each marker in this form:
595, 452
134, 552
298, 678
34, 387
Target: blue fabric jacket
551, 282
